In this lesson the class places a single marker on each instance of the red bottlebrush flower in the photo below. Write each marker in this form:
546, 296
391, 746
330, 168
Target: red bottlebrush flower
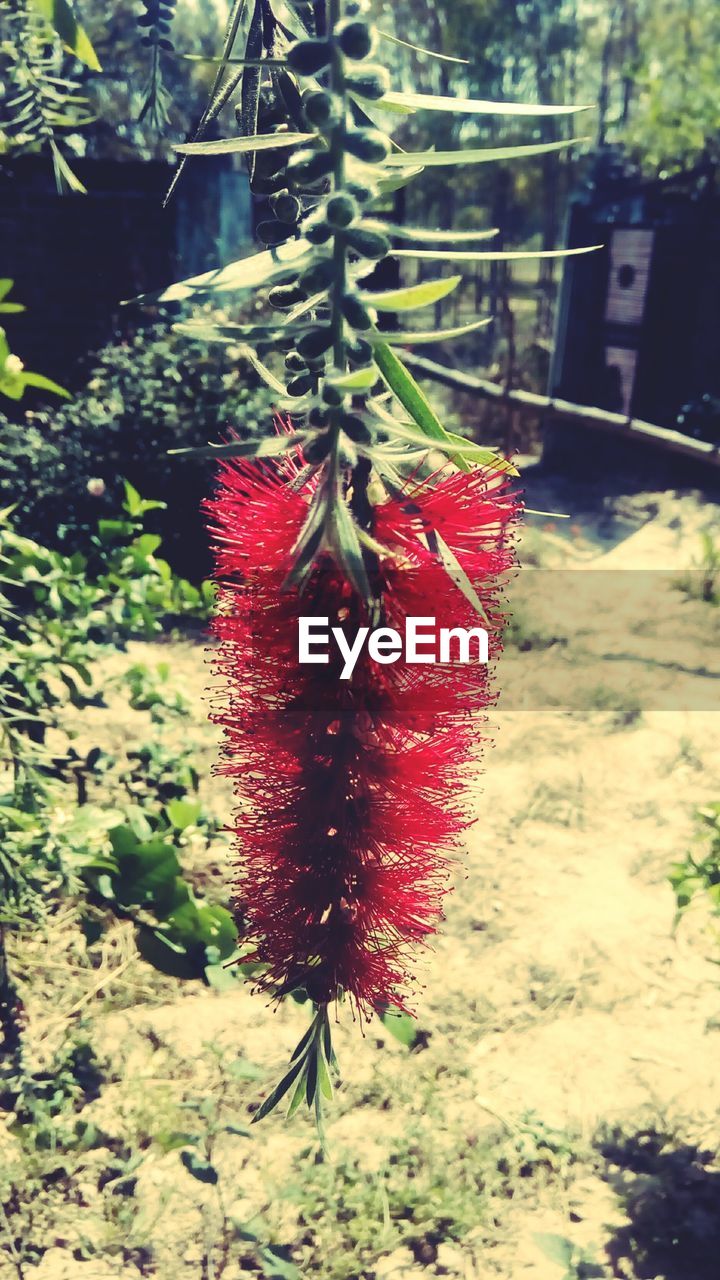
352, 792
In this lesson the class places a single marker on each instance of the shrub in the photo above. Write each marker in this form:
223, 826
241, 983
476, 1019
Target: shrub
152, 392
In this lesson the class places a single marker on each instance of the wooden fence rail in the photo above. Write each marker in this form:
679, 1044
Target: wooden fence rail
585, 415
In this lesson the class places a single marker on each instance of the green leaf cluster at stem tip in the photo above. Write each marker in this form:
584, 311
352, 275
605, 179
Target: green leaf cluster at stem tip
310, 89
307, 1079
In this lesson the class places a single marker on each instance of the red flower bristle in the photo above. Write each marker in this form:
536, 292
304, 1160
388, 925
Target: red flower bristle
352, 793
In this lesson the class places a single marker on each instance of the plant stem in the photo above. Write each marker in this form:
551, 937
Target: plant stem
337, 290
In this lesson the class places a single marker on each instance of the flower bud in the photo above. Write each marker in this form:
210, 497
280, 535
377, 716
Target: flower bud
355, 38
308, 56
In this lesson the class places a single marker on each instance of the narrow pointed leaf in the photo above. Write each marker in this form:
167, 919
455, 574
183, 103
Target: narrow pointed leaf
473, 106
60, 15
429, 53
301, 1047
411, 338
279, 1091
266, 447
347, 547
323, 1075
413, 398
298, 1095
358, 380
251, 81
65, 178
220, 93
44, 384
457, 574
205, 331
246, 273
257, 142
472, 155
422, 235
412, 296
492, 255
216, 59
266, 374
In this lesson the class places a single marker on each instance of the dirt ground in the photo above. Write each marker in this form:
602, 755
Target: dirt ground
559, 1117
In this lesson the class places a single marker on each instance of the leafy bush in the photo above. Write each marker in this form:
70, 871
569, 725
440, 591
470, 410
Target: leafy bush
119, 857
150, 393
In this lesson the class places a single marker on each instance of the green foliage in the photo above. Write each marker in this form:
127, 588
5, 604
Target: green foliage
573, 1261
676, 121
58, 613
151, 690
137, 875
45, 100
698, 876
14, 377
702, 582
145, 396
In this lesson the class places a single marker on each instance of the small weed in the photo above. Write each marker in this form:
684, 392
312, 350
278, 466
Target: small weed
151, 690
561, 806
702, 581
572, 1261
623, 707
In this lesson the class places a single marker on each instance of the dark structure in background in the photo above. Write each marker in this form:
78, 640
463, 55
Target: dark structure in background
75, 258
638, 326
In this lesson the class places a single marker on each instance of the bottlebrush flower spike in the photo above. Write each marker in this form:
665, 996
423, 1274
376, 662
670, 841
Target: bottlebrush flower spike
352, 793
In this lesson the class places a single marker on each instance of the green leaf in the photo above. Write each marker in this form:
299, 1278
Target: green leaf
183, 813
405, 388
65, 177
221, 977
149, 869
324, 1080
308, 542
266, 374
400, 1025
199, 1168
412, 296
345, 543
387, 183
202, 924
429, 53
412, 337
265, 447
245, 274
279, 1091
60, 15
492, 255
222, 89
422, 235
358, 380
258, 142
164, 955
6, 285
472, 106
473, 155
298, 1096
275, 1266
209, 331
12, 308
44, 384
457, 574
556, 1248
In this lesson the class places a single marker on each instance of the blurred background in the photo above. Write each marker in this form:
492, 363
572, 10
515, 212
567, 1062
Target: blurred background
552, 1112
